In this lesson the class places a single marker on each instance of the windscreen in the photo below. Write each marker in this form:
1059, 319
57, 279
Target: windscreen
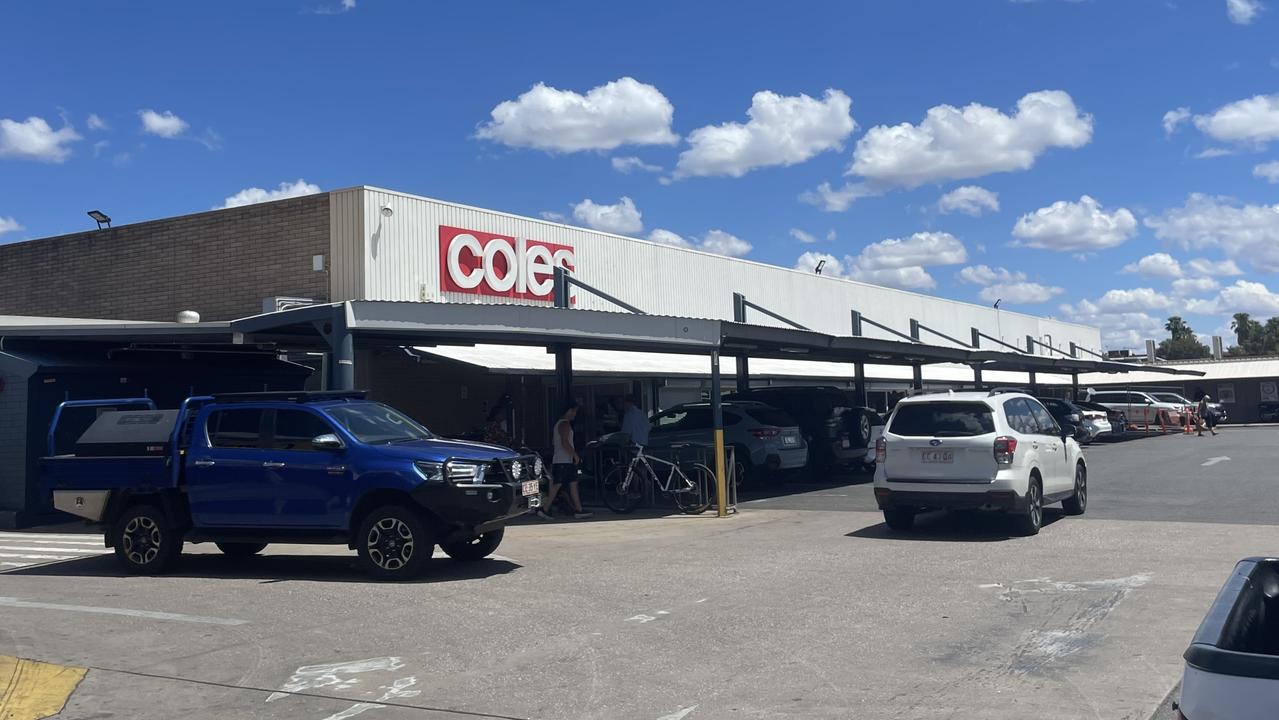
942, 419
375, 423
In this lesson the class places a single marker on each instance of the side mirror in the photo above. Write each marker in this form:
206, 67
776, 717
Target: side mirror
1068, 431
328, 441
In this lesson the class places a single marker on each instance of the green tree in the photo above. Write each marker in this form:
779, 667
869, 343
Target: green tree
1182, 343
1253, 337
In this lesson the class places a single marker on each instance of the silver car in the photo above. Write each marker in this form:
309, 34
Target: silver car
764, 438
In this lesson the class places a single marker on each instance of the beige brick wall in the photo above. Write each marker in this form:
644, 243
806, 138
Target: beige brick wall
221, 264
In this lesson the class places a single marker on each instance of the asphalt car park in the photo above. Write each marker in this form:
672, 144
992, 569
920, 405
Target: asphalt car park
803, 605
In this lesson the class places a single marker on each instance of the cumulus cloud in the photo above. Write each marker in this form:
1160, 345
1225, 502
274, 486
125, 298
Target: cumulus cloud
1020, 293
1174, 118
623, 112
1125, 301
33, 139
1194, 286
96, 123
627, 165
781, 130
1243, 232
987, 275
622, 218
1072, 227
804, 237
666, 237
809, 261
1243, 12
253, 195
715, 241
1158, 265
1118, 329
955, 144
1203, 267
1267, 171
833, 199
165, 124
8, 225
1253, 121
896, 262
1249, 297
970, 200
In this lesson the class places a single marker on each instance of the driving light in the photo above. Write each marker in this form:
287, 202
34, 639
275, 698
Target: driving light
538, 467
517, 469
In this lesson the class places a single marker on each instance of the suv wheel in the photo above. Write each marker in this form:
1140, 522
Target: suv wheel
1076, 504
863, 429
476, 548
394, 543
900, 519
1029, 521
145, 543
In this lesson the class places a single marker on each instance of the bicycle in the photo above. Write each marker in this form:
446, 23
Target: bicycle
623, 487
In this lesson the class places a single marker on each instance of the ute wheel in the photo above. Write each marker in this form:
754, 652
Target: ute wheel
900, 519
394, 543
1076, 504
476, 548
240, 550
1028, 522
145, 541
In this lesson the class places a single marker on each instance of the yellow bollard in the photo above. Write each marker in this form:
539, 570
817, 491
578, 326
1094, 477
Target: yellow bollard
721, 482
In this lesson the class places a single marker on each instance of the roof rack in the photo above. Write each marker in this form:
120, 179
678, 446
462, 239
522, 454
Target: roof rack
298, 396
1004, 390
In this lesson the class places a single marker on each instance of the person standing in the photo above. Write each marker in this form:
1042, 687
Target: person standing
634, 422
1207, 416
564, 464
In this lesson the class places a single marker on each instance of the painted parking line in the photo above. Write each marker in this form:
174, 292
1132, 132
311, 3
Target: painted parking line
30, 690
19, 550
127, 612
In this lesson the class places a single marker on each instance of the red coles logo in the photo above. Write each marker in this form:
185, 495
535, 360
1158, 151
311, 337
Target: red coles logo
480, 263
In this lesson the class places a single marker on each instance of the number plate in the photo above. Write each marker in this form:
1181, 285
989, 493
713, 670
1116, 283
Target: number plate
790, 440
529, 487
937, 456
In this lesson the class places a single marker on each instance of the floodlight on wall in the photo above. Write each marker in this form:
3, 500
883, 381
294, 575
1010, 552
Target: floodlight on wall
100, 217
386, 210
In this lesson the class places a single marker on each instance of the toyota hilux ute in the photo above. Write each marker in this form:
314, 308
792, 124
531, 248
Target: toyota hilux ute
998, 451
245, 470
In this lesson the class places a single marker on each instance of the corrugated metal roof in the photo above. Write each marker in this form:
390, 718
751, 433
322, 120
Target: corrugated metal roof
1213, 370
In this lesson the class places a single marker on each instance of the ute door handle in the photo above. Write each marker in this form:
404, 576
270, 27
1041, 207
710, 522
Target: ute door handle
203, 463
272, 465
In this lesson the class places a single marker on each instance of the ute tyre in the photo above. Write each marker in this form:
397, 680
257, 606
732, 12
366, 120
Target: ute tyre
1029, 522
1078, 503
899, 519
146, 543
240, 550
394, 543
475, 549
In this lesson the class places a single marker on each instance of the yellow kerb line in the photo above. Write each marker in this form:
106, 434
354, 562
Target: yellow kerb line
30, 690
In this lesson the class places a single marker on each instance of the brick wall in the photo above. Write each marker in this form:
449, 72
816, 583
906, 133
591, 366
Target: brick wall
221, 264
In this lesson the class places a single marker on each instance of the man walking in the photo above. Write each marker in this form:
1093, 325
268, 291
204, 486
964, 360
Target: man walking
1207, 416
564, 465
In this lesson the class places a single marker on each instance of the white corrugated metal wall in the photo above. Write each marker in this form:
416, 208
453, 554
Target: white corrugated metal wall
400, 261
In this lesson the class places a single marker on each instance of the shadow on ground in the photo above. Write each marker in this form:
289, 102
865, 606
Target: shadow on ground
954, 527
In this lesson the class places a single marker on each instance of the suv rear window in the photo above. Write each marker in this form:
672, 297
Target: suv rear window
942, 419
771, 416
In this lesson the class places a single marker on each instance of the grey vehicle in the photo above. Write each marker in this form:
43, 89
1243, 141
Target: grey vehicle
764, 438
1190, 405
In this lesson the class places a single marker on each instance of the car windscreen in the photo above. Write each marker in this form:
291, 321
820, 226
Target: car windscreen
942, 419
771, 416
375, 423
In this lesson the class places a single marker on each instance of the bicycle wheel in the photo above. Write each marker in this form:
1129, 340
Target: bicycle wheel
698, 499
619, 500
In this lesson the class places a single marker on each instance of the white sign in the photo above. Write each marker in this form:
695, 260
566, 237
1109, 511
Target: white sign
1226, 394
1269, 391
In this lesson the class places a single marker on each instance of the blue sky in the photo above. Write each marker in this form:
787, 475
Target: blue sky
1070, 140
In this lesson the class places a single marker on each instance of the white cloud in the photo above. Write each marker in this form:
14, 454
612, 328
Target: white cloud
969, 200
165, 124
100, 146
33, 139
1020, 293
622, 218
987, 275
896, 262
253, 195
1242, 12
1267, 171
831, 235
1068, 226
553, 216
956, 144
8, 225
1158, 265
96, 123
1202, 267
809, 260
722, 243
348, 4
1213, 152
666, 237
781, 130
838, 200
1249, 297
1134, 300
622, 112
1243, 232
1253, 120
627, 165
800, 235
1118, 330
1194, 286
1174, 118
907, 278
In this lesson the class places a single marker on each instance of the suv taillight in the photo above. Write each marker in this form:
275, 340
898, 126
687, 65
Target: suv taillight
1005, 449
881, 450
765, 433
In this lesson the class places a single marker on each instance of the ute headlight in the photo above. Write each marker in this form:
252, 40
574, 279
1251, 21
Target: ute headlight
517, 469
464, 472
432, 471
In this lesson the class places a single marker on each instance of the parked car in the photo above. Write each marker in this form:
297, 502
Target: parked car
241, 471
1066, 413
1140, 408
837, 429
999, 451
1190, 405
1268, 411
1116, 419
765, 439
1232, 665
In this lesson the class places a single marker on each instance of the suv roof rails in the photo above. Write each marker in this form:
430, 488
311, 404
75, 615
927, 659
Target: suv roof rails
298, 396
1005, 390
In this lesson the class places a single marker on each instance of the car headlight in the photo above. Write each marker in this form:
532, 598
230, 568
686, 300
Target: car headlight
464, 472
432, 471
517, 469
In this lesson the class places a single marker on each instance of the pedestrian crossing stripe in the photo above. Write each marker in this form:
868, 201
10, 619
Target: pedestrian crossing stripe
19, 550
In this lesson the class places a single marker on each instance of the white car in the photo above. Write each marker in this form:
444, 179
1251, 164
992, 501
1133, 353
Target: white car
1189, 405
974, 450
1140, 407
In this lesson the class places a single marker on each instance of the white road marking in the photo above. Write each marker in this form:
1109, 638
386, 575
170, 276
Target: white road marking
679, 714
1213, 461
311, 677
148, 614
46, 540
19, 556
38, 548
641, 619
51, 536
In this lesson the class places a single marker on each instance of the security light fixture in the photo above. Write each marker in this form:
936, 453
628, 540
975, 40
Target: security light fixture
997, 303
387, 210
820, 264
100, 217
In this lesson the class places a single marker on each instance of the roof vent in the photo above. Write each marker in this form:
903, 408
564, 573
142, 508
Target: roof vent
188, 316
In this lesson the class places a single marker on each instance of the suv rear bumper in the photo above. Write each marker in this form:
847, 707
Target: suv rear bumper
999, 500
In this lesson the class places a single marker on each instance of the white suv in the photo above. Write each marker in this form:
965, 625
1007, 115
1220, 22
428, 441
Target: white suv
976, 450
